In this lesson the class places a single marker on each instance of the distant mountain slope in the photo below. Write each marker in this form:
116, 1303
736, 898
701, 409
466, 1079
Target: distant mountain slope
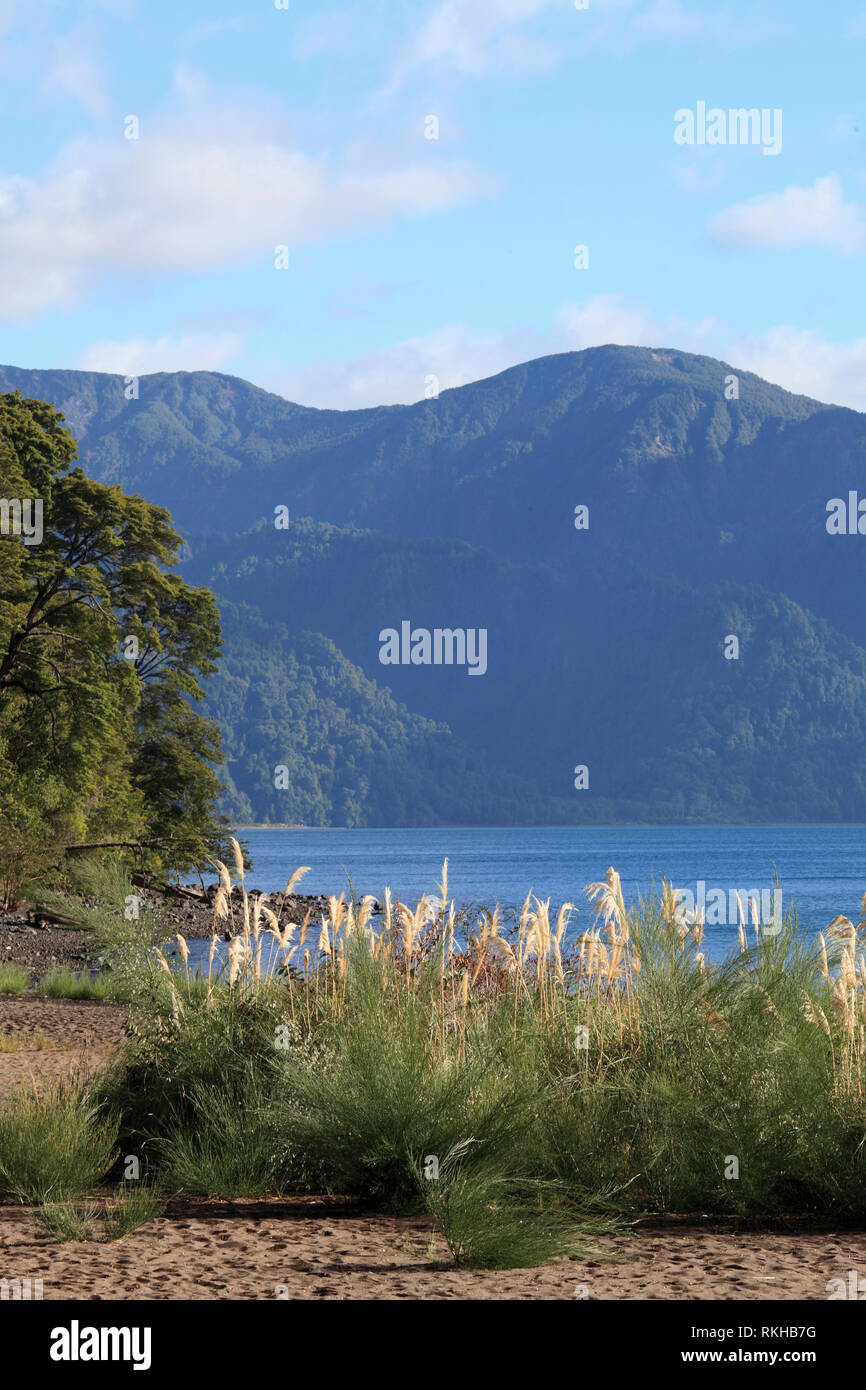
678, 478
310, 740
617, 669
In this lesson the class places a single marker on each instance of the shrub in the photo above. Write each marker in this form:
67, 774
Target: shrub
54, 1146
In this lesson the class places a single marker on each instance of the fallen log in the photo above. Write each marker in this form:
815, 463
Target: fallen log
120, 844
50, 914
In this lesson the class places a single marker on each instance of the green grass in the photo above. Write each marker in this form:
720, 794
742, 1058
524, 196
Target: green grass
54, 1146
491, 1220
67, 984
14, 979
229, 1149
105, 1220
134, 1205
644, 1120
64, 1221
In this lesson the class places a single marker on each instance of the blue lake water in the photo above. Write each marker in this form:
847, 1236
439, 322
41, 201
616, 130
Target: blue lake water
822, 869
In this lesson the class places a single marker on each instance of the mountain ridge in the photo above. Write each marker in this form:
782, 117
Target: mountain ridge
706, 520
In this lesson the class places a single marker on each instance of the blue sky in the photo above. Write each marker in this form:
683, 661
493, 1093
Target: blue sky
409, 257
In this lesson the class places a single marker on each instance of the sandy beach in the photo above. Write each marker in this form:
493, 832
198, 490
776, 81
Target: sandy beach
55, 1039
307, 1248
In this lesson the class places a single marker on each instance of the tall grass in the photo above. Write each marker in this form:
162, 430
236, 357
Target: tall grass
54, 1146
223, 1148
526, 1086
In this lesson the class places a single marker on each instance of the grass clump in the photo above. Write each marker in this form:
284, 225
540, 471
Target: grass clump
495, 1220
68, 984
135, 1205
14, 979
54, 1146
64, 1221
104, 1221
224, 1149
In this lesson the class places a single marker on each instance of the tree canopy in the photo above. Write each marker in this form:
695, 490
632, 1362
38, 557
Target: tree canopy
102, 652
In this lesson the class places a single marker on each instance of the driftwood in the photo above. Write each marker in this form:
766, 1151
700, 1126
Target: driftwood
51, 914
120, 844
173, 890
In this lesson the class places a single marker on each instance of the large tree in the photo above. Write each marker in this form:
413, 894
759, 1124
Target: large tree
102, 649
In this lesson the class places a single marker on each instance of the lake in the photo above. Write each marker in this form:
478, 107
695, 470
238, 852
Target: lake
822, 868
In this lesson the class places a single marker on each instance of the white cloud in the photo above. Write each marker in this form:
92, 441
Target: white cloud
609, 318
699, 178
11, 15
794, 358
668, 19
397, 374
468, 36
212, 187
72, 71
456, 355
799, 360
215, 28
816, 216
477, 39
330, 32
195, 352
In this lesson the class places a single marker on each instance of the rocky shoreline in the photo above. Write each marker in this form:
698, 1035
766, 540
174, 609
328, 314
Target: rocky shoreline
34, 937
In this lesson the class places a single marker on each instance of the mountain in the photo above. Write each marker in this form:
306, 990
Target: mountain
676, 476
309, 739
616, 669
707, 493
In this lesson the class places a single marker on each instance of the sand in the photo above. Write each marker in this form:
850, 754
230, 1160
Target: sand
314, 1249
82, 1035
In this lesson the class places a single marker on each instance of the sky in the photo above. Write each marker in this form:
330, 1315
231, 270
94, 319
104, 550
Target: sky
342, 202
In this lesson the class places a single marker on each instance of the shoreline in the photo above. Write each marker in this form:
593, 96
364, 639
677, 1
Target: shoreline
614, 825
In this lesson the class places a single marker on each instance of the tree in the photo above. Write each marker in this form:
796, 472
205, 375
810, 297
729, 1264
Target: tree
102, 649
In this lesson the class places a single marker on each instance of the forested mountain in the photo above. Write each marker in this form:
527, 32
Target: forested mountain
349, 754
614, 669
707, 494
677, 477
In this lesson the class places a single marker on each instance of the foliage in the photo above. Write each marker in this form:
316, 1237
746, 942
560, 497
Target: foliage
55, 1145
101, 650
14, 979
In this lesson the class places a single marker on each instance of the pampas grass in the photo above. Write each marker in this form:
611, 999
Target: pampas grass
559, 1077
